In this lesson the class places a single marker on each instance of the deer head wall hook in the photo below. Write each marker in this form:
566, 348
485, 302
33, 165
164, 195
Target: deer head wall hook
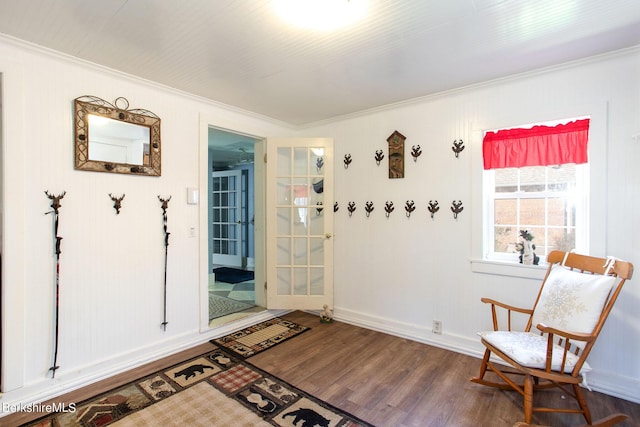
347, 160
433, 207
456, 208
388, 208
55, 200
415, 152
379, 156
368, 207
319, 164
319, 208
458, 146
117, 203
409, 207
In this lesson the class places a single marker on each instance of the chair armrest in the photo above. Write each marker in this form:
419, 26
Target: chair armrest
508, 308
577, 336
565, 340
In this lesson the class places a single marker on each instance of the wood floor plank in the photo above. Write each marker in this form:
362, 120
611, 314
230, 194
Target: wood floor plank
385, 380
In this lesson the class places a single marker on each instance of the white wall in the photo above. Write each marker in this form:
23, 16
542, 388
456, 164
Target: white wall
111, 276
393, 274
400, 274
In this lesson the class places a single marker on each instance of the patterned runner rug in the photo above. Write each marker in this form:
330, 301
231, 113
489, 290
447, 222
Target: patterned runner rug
254, 339
215, 389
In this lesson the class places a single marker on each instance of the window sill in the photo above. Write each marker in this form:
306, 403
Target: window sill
508, 269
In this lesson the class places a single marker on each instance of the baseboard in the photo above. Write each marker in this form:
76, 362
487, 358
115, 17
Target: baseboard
602, 382
82, 376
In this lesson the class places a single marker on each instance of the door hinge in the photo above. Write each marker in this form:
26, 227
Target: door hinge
265, 157
265, 285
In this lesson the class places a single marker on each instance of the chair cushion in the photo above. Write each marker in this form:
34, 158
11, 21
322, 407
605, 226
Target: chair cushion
530, 349
572, 301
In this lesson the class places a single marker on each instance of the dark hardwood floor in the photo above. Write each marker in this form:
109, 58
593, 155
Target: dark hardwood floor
385, 380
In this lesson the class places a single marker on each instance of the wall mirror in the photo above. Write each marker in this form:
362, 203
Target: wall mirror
113, 138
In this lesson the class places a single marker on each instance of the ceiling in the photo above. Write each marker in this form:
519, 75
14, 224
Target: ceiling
240, 53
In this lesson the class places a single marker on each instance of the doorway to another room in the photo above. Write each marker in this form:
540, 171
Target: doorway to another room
231, 234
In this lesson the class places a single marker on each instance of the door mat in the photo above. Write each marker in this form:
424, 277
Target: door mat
232, 275
221, 306
214, 389
254, 339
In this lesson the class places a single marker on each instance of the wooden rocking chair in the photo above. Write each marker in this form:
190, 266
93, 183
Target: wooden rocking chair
576, 296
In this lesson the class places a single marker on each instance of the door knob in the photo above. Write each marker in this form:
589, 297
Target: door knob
328, 235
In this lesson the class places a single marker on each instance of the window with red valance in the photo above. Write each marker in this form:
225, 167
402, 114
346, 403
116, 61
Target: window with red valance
536, 146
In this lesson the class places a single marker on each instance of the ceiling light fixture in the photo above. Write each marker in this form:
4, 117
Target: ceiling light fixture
321, 15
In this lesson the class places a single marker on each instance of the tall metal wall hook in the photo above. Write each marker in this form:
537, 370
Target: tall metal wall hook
117, 202
351, 207
458, 146
388, 208
416, 152
368, 207
56, 205
409, 207
347, 160
433, 207
165, 206
379, 156
456, 208
335, 207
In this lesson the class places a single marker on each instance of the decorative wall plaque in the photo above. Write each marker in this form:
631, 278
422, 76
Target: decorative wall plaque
396, 155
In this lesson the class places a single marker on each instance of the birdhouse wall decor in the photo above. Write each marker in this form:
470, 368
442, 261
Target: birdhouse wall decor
396, 154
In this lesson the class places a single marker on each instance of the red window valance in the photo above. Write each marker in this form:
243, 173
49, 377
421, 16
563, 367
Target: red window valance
537, 146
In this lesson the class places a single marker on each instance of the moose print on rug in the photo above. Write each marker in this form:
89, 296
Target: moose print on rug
309, 418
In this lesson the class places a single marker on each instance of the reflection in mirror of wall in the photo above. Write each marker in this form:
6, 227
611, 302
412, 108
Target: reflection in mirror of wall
113, 138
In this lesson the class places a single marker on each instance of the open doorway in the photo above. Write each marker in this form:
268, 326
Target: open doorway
231, 220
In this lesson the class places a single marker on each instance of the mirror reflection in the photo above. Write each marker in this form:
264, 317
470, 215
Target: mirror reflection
118, 142
113, 138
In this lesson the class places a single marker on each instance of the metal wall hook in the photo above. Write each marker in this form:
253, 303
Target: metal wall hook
368, 207
319, 164
347, 160
319, 208
409, 207
433, 207
456, 208
379, 156
416, 152
458, 146
351, 207
117, 202
388, 208
335, 206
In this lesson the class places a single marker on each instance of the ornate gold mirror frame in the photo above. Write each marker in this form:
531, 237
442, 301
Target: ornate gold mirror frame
113, 138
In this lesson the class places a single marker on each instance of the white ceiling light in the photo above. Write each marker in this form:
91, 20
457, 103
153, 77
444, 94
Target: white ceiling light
322, 15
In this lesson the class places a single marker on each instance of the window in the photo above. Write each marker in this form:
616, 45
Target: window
523, 192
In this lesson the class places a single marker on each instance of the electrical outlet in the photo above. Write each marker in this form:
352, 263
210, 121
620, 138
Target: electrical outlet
437, 327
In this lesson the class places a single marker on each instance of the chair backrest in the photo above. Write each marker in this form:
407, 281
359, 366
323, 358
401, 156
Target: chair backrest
578, 293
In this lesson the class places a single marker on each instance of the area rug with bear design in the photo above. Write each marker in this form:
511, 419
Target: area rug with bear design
214, 389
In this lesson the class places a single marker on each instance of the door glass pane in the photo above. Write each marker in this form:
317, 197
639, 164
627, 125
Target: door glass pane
316, 281
300, 165
283, 256
316, 221
283, 221
316, 248
284, 191
284, 280
300, 251
224, 183
284, 161
300, 281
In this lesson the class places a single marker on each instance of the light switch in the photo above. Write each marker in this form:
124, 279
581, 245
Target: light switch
192, 196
